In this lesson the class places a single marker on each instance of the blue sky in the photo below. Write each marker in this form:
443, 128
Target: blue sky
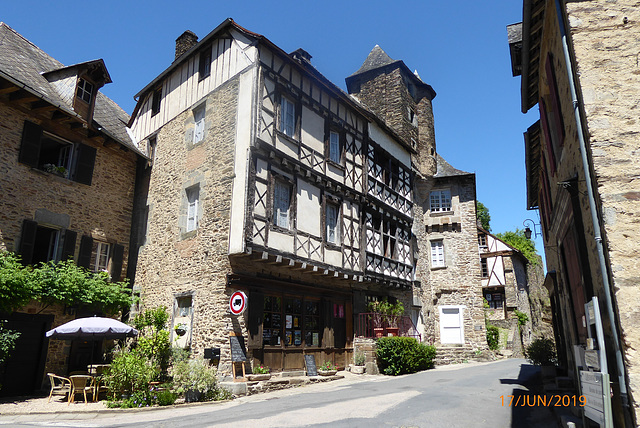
458, 47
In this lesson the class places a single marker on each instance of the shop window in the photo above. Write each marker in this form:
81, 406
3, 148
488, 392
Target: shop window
272, 321
291, 321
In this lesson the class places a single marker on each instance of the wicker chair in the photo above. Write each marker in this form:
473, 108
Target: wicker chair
59, 385
80, 384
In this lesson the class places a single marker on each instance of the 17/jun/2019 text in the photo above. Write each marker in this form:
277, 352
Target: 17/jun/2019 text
543, 400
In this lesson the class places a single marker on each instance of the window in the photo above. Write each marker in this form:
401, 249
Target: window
485, 269
281, 204
482, 240
334, 147
151, 151
183, 306
299, 317
198, 117
193, 196
204, 68
47, 152
440, 200
389, 240
155, 101
332, 223
85, 90
102, 257
287, 117
437, 253
413, 119
495, 300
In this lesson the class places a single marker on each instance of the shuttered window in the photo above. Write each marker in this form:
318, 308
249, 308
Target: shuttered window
198, 117
102, 257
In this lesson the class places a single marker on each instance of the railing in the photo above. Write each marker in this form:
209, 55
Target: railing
365, 327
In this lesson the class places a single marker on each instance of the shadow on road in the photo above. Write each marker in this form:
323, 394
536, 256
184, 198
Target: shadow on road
527, 400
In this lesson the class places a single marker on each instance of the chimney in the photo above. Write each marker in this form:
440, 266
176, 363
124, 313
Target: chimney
186, 41
301, 55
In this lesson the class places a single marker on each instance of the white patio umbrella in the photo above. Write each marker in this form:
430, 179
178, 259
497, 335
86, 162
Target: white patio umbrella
96, 328
92, 328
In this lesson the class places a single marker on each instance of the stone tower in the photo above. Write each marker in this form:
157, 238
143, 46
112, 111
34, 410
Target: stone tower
402, 99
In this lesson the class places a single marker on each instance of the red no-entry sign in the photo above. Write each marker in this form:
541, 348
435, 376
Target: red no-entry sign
238, 303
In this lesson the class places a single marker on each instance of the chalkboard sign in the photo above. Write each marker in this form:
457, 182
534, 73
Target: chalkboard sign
238, 353
310, 362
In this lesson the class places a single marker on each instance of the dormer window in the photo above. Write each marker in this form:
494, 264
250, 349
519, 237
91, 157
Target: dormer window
85, 90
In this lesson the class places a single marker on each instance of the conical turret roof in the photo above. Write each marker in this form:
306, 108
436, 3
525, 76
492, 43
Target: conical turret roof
377, 58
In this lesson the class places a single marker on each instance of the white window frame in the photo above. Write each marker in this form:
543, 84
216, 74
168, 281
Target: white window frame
103, 256
440, 200
193, 200
198, 129
334, 147
281, 204
85, 90
332, 219
287, 117
437, 253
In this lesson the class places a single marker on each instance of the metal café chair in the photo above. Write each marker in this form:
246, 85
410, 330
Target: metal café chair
59, 385
80, 384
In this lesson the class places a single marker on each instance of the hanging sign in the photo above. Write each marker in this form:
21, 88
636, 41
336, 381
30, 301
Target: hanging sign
238, 303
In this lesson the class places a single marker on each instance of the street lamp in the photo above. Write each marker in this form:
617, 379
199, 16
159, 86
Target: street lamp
527, 230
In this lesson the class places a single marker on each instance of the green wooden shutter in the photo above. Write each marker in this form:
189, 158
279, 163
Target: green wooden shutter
68, 245
85, 161
116, 262
30, 145
28, 240
256, 312
84, 255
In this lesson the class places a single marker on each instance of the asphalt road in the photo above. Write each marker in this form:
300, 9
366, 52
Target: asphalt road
473, 395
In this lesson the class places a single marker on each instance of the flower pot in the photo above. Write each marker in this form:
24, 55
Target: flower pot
181, 331
378, 331
259, 376
392, 331
327, 372
357, 369
192, 396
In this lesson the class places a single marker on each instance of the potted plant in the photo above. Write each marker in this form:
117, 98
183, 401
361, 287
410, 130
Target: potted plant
542, 352
327, 369
377, 309
392, 314
181, 329
359, 361
259, 373
195, 378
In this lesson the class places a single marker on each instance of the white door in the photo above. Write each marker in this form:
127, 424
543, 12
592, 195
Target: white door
451, 328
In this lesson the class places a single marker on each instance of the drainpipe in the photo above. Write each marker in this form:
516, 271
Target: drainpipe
594, 215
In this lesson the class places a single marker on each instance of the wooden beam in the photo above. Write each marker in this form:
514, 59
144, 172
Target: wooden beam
23, 97
303, 266
8, 89
277, 261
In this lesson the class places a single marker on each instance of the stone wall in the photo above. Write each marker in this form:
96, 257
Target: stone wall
175, 262
102, 210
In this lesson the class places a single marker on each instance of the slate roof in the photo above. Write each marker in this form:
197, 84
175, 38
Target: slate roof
377, 58
25, 64
444, 169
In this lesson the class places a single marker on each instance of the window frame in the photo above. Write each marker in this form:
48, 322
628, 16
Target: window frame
335, 205
335, 155
192, 220
98, 266
438, 206
438, 259
280, 182
199, 127
82, 91
204, 63
156, 101
283, 127
484, 268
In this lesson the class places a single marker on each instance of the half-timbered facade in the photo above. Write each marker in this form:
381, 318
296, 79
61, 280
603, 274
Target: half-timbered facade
267, 178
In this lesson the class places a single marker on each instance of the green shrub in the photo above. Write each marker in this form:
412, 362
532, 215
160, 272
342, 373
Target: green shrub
522, 318
360, 359
129, 372
400, 355
493, 337
196, 375
542, 352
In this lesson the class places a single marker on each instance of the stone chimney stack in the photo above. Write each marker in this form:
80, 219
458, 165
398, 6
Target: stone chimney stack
186, 41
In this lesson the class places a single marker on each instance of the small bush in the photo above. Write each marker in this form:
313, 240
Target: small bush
360, 359
196, 375
493, 337
260, 369
129, 372
542, 352
401, 355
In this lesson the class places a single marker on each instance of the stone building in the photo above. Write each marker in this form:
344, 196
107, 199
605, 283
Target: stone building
67, 183
266, 178
578, 61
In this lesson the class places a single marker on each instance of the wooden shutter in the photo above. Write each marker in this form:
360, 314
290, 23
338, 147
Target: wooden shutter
84, 255
28, 240
85, 161
30, 145
327, 324
547, 135
68, 245
116, 262
256, 312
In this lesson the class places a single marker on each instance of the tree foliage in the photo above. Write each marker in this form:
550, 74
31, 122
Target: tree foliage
61, 282
520, 242
483, 215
